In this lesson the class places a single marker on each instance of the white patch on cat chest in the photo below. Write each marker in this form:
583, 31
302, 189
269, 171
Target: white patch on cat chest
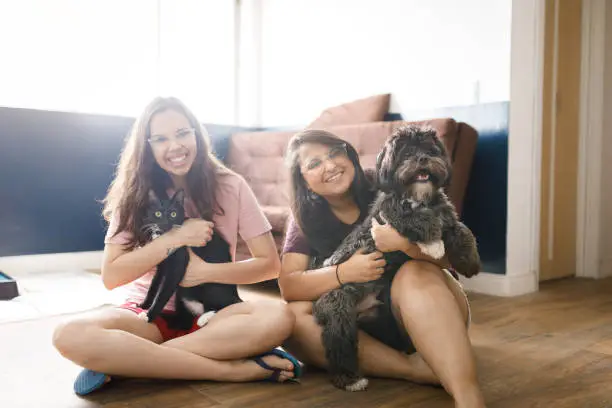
196, 308
203, 320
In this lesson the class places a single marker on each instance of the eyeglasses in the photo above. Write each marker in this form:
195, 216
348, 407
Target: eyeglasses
181, 136
315, 164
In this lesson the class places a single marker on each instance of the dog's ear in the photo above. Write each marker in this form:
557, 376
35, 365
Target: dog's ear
449, 175
384, 163
447, 159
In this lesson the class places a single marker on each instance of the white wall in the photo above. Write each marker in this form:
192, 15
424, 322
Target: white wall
427, 53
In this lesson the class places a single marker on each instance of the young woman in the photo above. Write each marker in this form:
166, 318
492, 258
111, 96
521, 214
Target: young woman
168, 148
420, 333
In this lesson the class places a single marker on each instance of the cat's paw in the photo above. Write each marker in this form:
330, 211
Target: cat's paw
143, 315
435, 249
203, 320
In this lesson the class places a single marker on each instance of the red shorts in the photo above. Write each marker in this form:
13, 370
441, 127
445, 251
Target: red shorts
161, 323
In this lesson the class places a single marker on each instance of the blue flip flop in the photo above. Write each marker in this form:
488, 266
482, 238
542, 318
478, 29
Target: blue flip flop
88, 381
297, 367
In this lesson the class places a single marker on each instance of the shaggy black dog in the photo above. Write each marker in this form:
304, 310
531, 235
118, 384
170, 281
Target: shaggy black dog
412, 170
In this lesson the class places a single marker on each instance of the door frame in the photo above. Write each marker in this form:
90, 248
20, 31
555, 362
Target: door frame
588, 240
524, 157
525, 146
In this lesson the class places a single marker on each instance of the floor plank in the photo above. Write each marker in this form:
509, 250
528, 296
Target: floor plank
549, 349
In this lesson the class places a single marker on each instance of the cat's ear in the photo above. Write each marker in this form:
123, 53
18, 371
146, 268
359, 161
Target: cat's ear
179, 196
153, 197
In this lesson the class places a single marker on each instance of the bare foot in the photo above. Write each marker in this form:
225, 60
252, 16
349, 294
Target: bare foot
253, 371
421, 373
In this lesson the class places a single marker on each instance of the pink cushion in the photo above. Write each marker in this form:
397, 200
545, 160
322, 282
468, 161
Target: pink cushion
277, 215
371, 109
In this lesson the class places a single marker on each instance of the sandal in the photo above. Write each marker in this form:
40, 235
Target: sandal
297, 367
88, 381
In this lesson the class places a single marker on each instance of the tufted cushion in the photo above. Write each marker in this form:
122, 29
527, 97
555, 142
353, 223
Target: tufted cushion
259, 157
277, 215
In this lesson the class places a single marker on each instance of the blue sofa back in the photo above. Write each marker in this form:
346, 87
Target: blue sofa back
55, 168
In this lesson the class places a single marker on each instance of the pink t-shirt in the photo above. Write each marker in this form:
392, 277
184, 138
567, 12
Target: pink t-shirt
242, 216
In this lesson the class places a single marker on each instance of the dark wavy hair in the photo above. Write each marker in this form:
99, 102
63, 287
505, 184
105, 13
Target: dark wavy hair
137, 173
323, 230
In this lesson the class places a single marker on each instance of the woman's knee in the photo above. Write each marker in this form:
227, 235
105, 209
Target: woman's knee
417, 275
424, 282
279, 317
72, 338
300, 308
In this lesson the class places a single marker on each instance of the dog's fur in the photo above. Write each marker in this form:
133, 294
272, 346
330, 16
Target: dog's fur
412, 170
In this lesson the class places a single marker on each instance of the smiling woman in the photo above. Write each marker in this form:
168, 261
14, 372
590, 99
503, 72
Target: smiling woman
419, 331
175, 162
168, 150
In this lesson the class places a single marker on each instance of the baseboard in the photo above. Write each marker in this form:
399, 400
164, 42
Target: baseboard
27, 264
605, 269
501, 285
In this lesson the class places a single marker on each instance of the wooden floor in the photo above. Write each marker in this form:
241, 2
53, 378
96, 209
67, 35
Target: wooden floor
550, 349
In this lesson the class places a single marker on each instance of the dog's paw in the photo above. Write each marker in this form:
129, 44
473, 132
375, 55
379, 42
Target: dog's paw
359, 385
350, 383
203, 320
434, 249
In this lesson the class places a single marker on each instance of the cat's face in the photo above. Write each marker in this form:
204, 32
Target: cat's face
162, 215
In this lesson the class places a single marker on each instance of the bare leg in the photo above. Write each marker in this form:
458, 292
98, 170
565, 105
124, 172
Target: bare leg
433, 310
117, 342
375, 358
239, 331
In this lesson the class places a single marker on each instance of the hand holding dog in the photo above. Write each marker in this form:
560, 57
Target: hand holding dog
362, 267
387, 239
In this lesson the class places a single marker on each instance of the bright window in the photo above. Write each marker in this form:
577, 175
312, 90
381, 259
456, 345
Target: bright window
112, 56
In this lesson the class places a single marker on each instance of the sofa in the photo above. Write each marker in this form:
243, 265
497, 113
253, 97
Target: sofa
259, 158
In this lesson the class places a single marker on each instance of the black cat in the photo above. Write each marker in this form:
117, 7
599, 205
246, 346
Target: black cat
163, 214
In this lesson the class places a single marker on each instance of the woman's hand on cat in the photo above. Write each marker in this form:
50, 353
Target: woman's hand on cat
194, 232
387, 239
195, 274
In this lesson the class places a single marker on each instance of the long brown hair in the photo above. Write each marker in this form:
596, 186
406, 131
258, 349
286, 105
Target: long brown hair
323, 230
137, 172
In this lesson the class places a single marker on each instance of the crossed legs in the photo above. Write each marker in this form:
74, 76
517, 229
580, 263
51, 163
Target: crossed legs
433, 309
117, 342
